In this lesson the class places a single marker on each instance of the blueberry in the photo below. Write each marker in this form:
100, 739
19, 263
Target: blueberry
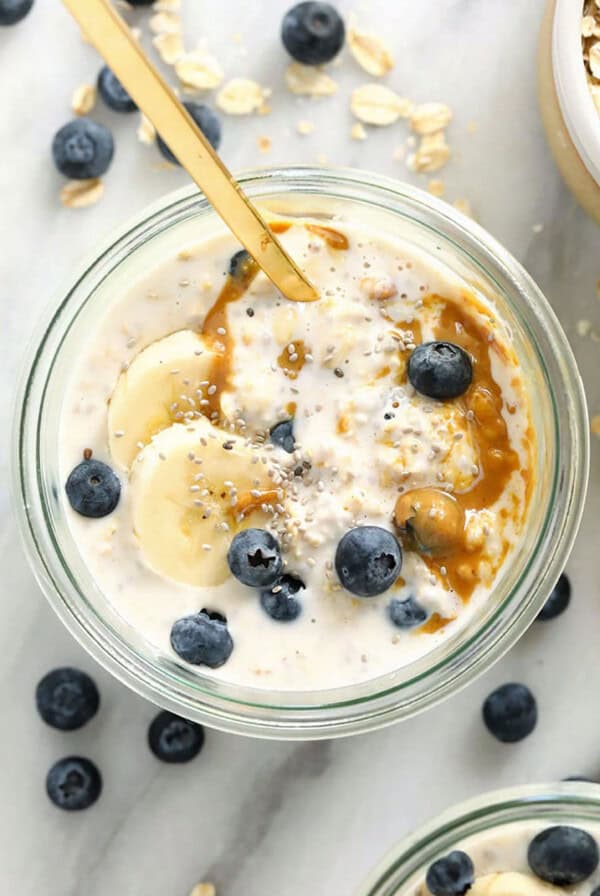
563, 855
281, 604
202, 640
440, 370
208, 122
313, 33
140, 2
238, 263
451, 875
510, 713
282, 435
579, 778
558, 601
12, 11
174, 739
83, 148
254, 558
93, 489
113, 93
368, 560
67, 698
407, 613
73, 783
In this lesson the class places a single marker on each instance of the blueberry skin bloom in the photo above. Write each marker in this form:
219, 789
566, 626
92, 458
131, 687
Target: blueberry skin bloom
313, 33
174, 739
563, 855
208, 122
93, 489
254, 558
202, 640
67, 698
280, 601
368, 560
82, 149
451, 875
407, 613
282, 435
440, 370
12, 11
113, 93
73, 783
510, 713
558, 601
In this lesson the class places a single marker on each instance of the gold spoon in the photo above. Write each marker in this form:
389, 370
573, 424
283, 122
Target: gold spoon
111, 36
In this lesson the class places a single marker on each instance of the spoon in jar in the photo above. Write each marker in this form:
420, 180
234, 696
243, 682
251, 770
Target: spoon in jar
113, 39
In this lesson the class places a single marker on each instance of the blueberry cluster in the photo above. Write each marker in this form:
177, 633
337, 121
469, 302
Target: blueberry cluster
560, 855
312, 33
67, 699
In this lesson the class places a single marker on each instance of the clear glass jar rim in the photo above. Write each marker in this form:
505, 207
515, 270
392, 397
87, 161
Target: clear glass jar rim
485, 811
251, 713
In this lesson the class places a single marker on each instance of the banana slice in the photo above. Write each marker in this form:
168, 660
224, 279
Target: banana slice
180, 505
511, 883
157, 389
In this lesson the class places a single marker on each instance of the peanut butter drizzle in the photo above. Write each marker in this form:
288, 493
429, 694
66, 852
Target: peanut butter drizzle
290, 368
247, 502
497, 461
222, 343
280, 226
433, 624
333, 238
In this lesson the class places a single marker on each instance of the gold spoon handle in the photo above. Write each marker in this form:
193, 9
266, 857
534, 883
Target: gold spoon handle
114, 41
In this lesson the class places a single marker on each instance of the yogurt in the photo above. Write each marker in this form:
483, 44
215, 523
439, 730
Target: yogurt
178, 390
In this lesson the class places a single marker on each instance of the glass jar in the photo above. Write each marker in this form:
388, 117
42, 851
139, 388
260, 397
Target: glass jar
567, 803
559, 418
570, 118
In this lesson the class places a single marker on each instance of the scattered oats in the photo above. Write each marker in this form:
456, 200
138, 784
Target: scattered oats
241, 96
432, 154
430, 118
594, 59
309, 80
370, 51
165, 23
264, 144
399, 154
169, 46
82, 193
199, 70
464, 206
595, 424
323, 159
146, 132
376, 104
305, 127
357, 131
584, 327
84, 99
436, 188
472, 127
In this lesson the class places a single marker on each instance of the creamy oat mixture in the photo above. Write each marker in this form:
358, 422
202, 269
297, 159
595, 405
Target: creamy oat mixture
590, 41
501, 867
178, 389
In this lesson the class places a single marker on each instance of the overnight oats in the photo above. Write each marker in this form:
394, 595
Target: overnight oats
301, 519
298, 495
535, 841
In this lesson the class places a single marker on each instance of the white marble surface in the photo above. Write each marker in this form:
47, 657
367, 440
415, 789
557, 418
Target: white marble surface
268, 818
